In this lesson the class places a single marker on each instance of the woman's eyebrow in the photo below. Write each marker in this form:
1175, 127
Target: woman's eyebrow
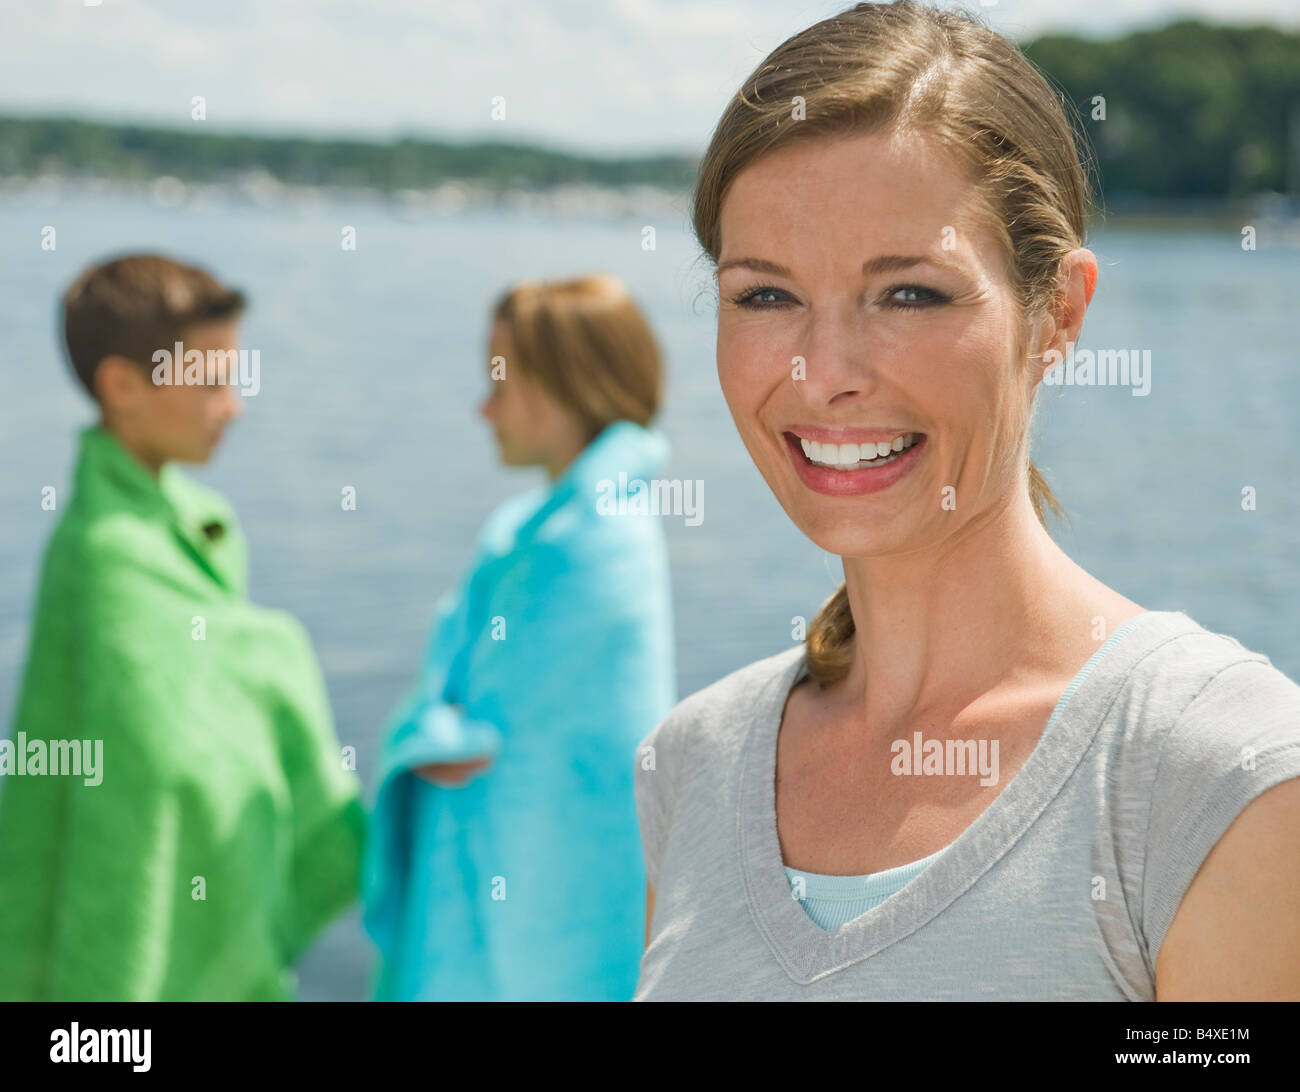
885, 263
758, 265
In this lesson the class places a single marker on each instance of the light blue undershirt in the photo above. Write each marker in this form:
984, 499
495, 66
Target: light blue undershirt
833, 900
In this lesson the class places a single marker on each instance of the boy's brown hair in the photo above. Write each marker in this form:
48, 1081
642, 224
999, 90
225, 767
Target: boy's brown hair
135, 305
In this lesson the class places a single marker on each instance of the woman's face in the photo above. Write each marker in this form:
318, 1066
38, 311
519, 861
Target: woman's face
861, 301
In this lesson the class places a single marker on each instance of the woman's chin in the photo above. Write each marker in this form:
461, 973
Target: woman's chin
846, 538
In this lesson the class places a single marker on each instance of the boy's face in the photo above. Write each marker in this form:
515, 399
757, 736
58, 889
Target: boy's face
180, 420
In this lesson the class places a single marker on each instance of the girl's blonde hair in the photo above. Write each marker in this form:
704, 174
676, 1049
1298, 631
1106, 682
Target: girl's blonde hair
909, 69
586, 341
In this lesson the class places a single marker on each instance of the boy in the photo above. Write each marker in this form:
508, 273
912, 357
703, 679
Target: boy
212, 830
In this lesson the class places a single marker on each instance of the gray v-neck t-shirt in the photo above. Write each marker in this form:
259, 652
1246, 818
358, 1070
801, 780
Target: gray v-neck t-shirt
1062, 889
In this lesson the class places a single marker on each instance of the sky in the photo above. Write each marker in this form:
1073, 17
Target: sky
607, 77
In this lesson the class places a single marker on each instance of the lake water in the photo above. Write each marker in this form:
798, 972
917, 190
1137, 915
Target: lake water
372, 372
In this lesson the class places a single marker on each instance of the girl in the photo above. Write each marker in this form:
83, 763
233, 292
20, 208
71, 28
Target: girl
504, 862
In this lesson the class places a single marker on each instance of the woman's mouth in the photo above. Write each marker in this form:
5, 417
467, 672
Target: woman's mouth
841, 469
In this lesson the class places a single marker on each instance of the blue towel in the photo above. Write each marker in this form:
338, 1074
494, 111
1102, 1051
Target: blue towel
555, 657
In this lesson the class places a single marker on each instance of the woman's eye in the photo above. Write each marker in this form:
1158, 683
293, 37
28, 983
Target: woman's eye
901, 297
912, 297
754, 298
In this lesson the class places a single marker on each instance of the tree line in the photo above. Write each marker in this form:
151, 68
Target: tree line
1189, 110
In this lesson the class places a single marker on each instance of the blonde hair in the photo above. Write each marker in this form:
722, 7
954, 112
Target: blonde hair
907, 68
586, 341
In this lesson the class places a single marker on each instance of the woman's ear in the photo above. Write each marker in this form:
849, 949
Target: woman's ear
1058, 326
1078, 282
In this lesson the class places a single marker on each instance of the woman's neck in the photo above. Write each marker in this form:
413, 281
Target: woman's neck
998, 603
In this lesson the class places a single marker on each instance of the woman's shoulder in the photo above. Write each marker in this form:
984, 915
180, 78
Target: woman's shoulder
1181, 671
1189, 709
1220, 708
701, 738
722, 712
1200, 726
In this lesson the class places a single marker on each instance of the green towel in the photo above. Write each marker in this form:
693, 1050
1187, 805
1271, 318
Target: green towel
224, 832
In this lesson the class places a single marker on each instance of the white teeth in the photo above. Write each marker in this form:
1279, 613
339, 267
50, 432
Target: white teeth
852, 456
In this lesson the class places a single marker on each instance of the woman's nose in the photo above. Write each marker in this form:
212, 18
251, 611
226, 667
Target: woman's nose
836, 360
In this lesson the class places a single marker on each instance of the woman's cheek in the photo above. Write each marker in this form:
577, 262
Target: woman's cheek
754, 352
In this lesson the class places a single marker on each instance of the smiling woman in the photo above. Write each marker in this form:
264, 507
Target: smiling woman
895, 205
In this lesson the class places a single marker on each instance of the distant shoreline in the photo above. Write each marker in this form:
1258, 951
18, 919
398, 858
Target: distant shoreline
450, 197
1273, 214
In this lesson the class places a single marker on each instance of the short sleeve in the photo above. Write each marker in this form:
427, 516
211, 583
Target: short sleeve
1239, 737
657, 765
